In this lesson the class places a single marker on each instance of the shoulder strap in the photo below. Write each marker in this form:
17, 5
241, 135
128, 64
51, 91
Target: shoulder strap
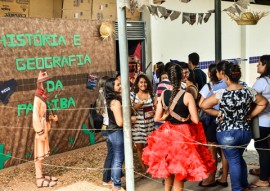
209, 86
175, 100
164, 106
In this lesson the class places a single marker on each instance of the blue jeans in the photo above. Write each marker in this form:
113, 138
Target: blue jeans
108, 162
237, 164
117, 140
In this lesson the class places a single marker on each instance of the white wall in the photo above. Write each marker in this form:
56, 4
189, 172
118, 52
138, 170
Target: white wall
174, 40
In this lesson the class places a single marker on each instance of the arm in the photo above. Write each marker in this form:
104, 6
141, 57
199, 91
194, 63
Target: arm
208, 104
193, 91
36, 118
190, 103
137, 105
116, 108
201, 100
155, 101
260, 104
159, 111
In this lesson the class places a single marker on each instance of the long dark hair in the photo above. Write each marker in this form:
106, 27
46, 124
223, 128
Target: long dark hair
213, 73
191, 77
135, 87
221, 65
175, 76
265, 59
101, 96
160, 68
110, 94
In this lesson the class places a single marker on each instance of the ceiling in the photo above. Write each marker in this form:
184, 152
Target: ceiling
259, 2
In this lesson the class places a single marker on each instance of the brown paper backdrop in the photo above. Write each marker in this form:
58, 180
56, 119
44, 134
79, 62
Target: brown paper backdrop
17, 133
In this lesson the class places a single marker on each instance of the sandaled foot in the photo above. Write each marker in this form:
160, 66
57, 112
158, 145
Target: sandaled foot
50, 178
259, 184
42, 182
202, 184
255, 172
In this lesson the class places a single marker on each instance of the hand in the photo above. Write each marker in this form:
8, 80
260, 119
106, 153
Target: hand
140, 104
152, 113
133, 119
53, 117
248, 118
220, 117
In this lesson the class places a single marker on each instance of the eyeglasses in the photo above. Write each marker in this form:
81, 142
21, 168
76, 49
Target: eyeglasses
186, 73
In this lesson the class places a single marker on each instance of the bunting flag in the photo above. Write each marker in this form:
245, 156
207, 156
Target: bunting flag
175, 15
153, 10
190, 18
162, 12
185, 1
243, 3
158, 1
200, 18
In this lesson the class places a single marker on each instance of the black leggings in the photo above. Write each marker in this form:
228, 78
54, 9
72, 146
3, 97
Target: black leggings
264, 155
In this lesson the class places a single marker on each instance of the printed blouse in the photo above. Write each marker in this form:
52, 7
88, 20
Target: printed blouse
234, 107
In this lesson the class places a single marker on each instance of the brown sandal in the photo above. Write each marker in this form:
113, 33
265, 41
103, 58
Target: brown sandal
47, 183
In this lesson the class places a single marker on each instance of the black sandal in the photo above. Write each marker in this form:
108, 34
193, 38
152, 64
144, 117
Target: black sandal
49, 183
50, 178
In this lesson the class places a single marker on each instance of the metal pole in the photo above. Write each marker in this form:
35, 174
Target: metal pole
218, 55
123, 54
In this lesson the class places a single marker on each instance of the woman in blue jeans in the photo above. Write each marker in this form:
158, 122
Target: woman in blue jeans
115, 129
233, 131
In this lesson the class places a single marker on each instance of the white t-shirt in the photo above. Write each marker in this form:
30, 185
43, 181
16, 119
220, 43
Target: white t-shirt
262, 86
105, 115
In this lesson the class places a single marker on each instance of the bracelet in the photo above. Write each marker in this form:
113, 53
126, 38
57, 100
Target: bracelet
41, 132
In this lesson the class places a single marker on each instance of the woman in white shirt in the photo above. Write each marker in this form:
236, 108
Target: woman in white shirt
262, 86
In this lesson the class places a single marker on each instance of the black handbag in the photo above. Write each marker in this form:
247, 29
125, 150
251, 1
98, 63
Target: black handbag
255, 127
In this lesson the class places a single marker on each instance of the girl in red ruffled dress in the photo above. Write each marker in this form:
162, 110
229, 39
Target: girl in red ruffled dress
174, 150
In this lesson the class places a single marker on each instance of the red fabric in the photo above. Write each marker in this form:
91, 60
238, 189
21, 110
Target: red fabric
137, 51
42, 93
174, 149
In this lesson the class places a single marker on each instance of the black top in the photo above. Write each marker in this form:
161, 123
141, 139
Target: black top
200, 77
180, 108
112, 127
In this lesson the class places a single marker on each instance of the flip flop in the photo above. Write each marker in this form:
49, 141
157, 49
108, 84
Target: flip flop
254, 185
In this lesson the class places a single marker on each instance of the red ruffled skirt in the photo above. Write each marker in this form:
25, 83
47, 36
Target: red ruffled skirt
177, 149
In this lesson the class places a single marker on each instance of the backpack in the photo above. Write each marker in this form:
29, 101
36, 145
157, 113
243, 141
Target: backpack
95, 119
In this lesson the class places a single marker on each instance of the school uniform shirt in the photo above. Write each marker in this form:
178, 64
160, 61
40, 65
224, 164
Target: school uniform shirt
163, 85
262, 86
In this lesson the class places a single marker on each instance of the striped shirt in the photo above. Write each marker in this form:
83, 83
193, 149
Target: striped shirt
142, 127
164, 85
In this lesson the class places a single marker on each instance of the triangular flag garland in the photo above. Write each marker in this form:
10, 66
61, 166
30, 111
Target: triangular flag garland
162, 12
190, 18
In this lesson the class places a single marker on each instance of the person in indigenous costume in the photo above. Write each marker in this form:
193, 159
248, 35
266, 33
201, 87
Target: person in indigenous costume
42, 124
174, 150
